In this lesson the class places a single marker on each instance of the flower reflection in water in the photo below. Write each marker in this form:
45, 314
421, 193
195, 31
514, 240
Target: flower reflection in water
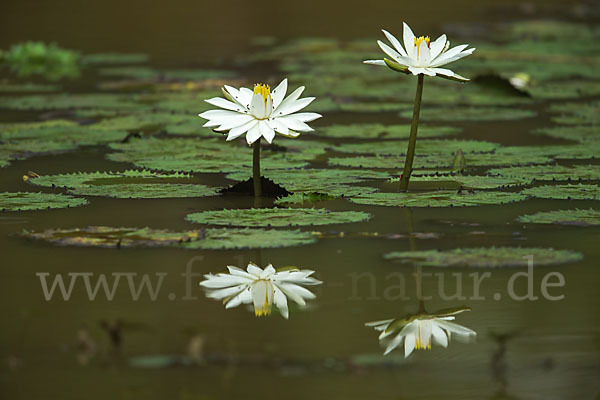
419, 331
261, 287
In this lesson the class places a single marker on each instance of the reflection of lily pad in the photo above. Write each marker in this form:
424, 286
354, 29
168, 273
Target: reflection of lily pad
437, 199
565, 192
303, 198
127, 184
487, 257
564, 217
379, 131
208, 155
471, 114
25, 201
277, 217
102, 236
549, 172
428, 147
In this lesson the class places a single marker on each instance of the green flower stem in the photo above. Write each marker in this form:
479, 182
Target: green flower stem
256, 169
412, 141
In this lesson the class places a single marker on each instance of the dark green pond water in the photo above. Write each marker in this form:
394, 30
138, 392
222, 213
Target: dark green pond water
182, 345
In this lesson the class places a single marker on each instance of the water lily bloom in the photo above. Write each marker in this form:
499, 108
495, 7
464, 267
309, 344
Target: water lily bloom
260, 112
261, 287
421, 56
419, 331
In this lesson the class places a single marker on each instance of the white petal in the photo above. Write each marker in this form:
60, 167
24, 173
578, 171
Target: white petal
218, 114
385, 322
437, 46
287, 108
254, 270
235, 122
266, 131
226, 292
307, 116
278, 126
442, 71
424, 57
257, 106
240, 130
239, 272
416, 70
374, 62
451, 55
409, 41
439, 336
294, 124
410, 342
395, 42
289, 100
221, 281
279, 93
394, 54
253, 134
268, 271
228, 105
281, 302
394, 343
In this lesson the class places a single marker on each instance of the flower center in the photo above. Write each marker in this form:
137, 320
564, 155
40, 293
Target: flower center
262, 294
420, 343
263, 90
418, 41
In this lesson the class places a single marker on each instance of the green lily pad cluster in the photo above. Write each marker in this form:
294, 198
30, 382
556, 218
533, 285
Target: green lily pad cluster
486, 257
277, 217
380, 131
549, 172
40, 59
28, 201
576, 217
215, 239
565, 192
131, 184
441, 198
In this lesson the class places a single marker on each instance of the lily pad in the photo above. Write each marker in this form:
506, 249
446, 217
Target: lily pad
277, 217
445, 198
587, 113
7, 87
114, 58
380, 131
584, 134
303, 198
427, 147
208, 155
454, 181
120, 102
487, 257
564, 217
471, 114
127, 185
565, 192
549, 172
26, 201
335, 182
109, 237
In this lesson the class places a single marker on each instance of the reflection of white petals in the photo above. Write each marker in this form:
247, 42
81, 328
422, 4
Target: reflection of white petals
243, 106
260, 287
420, 331
420, 55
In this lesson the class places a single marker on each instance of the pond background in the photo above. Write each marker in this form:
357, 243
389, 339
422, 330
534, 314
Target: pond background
552, 350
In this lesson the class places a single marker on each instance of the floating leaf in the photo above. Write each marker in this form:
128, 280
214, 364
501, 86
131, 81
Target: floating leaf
208, 155
26, 201
549, 172
380, 131
584, 134
118, 102
335, 182
565, 192
427, 147
437, 199
277, 217
471, 114
127, 184
454, 181
103, 236
564, 217
577, 113
8, 87
487, 257
303, 198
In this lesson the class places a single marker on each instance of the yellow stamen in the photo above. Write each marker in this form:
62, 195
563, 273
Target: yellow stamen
266, 307
263, 90
418, 41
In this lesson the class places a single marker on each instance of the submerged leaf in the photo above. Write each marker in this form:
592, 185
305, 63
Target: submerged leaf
487, 257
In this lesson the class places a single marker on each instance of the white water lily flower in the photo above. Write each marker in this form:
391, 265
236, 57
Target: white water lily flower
420, 56
420, 331
260, 112
261, 287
